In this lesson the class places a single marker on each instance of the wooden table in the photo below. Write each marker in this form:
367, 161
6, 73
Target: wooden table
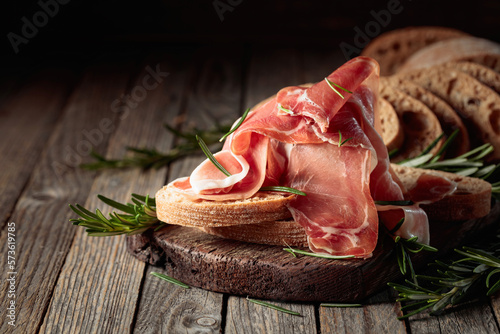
67, 282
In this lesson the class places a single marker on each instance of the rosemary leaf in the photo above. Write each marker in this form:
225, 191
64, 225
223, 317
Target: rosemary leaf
332, 84
324, 256
272, 306
211, 157
170, 280
339, 305
283, 189
242, 119
288, 111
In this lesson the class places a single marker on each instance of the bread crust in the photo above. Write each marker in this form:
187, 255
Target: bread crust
478, 105
392, 48
172, 207
420, 125
447, 116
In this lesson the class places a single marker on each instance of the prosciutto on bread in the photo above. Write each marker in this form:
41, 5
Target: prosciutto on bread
322, 141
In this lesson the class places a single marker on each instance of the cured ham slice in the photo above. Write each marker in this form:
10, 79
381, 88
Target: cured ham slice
297, 139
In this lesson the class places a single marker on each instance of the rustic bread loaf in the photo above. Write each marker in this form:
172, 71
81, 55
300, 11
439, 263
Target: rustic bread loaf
391, 130
421, 127
392, 48
448, 118
173, 207
476, 50
478, 105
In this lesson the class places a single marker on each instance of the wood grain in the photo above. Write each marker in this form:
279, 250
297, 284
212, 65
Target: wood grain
104, 283
25, 129
213, 95
247, 317
41, 214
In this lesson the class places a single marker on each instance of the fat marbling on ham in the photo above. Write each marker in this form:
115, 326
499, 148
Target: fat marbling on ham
293, 141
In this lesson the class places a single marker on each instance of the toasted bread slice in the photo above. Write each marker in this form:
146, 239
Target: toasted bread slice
173, 207
478, 105
420, 125
391, 130
471, 200
392, 48
476, 50
278, 233
447, 116
484, 74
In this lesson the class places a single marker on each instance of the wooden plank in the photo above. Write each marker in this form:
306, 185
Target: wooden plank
101, 284
43, 234
214, 97
377, 315
27, 118
474, 317
247, 317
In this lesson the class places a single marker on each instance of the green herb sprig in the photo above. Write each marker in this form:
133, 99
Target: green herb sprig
147, 158
451, 283
332, 84
137, 217
210, 156
170, 280
403, 249
323, 256
343, 142
272, 306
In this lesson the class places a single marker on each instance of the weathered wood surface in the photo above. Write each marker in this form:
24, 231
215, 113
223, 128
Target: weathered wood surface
68, 282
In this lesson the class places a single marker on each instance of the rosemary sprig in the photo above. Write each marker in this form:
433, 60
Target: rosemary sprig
138, 216
339, 305
398, 203
340, 139
170, 280
283, 189
210, 156
272, 306
451, 283
403, 249
242, 119
288, 111
332, 84
151, 158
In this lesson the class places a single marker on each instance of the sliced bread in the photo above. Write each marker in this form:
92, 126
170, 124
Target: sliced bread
448, 118
173, 207
392, 48
471, 200
474, 49
391, 130
420, 125
477, 104
484, 74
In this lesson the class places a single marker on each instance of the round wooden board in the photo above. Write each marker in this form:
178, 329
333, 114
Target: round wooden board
268, 272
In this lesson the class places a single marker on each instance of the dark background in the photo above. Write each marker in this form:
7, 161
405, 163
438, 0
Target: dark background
83, 29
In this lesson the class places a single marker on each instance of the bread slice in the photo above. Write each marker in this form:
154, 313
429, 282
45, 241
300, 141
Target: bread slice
478, 105
481, 73
278, 233
392, 48
447, 116
172, 207
471, 200
420, 125
476, 50
391, 130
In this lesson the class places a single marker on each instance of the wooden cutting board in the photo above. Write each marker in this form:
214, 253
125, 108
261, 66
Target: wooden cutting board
268, 272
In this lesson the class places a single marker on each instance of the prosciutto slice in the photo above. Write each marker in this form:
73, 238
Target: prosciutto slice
297, 139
